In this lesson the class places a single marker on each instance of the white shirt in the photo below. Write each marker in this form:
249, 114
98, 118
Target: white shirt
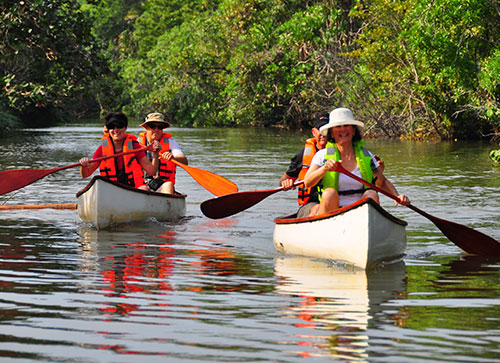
174, 147
345, 182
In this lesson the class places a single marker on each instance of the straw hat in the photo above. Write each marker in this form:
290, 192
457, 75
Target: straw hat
338, 117
157, 118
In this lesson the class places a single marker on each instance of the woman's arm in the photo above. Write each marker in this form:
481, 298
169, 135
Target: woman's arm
151, 167
87, 168
148, 166
385, 184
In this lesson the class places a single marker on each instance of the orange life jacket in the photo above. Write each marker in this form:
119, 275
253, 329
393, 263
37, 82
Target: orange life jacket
309, 151
133, 174
167, 168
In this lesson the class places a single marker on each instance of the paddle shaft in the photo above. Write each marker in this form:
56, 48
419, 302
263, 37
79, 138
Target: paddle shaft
39, 206
18, 178
341, 169
145, 148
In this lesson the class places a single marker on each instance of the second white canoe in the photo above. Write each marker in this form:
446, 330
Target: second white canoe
362, 234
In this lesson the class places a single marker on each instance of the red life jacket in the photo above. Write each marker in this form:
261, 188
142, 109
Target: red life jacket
309, 151
167, 168
132, 173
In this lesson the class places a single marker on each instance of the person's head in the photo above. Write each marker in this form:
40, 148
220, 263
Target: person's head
342, 123
154, 124
321, 120
116, 124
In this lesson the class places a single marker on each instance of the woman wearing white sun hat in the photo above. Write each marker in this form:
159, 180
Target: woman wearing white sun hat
346, 146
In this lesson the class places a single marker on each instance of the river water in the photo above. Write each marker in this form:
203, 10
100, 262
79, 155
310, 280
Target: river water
217, 290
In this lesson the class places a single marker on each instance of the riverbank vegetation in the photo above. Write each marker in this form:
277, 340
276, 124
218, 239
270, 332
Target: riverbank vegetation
415, 69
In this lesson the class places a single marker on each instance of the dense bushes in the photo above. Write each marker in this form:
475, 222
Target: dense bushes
48, 61
412, 68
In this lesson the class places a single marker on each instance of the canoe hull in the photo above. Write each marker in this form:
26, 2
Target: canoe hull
103, 203
362, 234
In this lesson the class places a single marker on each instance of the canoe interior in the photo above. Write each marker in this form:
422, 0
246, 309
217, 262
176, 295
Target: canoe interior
126, 187
104, 203
292, 218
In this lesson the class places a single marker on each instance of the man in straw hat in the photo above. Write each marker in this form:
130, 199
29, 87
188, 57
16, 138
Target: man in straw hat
164, 180
299, 164
345, 146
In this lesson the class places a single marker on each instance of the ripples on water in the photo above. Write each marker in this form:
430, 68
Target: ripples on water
205, 290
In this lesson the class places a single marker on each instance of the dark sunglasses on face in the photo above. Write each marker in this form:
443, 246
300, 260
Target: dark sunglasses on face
156, 126
115, 126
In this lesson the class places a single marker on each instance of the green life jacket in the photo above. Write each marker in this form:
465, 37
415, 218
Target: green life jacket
363, 158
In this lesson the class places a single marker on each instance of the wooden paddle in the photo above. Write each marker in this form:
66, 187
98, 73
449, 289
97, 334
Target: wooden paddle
39, 206
212, 182
468, 239
11, 180
230, 204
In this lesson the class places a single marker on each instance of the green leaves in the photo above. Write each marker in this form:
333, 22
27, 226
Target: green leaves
416, 68
47, 55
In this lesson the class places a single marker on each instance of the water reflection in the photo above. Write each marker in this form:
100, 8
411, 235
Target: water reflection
146, 265
213, 290
337, 303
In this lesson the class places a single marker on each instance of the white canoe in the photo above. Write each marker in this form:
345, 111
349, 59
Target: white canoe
362, 234
104, 203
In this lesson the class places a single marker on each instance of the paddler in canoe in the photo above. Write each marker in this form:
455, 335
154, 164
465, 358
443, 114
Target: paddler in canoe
164, 180
345, 146
307, 197
126, 169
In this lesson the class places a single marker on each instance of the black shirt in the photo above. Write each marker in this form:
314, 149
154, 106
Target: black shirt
295, 165
293, 171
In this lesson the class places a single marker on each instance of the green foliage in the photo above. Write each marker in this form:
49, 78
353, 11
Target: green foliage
495, 156
413, 68
8, 122
47, 59
421, 59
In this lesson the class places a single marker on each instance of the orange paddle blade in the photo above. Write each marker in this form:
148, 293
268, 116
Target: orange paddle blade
212, 182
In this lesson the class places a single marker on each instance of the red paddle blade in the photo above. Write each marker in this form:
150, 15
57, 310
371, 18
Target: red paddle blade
15, 179
11, 180
230, 204
466, 238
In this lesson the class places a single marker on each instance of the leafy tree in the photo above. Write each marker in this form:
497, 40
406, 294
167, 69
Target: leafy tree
421, 61
48, 60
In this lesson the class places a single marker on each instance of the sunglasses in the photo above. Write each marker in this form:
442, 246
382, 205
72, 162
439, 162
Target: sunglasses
115, 126
156, 126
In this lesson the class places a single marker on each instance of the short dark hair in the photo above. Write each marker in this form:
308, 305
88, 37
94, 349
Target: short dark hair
118, 117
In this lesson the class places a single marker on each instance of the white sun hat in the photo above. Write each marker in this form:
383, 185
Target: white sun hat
338, 117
